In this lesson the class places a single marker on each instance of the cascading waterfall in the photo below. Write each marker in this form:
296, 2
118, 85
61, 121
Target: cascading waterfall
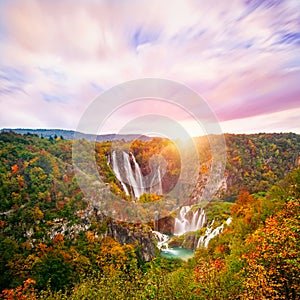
189, 220
116, 170
132, 176
210, 233
162, 240
128, 172
139, 178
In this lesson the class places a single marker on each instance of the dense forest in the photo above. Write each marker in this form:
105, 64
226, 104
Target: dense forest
55, 245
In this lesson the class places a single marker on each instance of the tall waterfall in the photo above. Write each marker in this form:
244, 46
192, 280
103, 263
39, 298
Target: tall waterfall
135, 179
131, 177
116, 170
189, 220
156, 184
139, 178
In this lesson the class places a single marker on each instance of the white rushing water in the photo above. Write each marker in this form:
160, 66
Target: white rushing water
197, 221
134, 179
211, 233
116, 170
189, 220
162, 240
139, 177
132, 176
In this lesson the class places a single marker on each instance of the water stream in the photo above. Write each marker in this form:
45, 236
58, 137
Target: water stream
128, 172
189, 220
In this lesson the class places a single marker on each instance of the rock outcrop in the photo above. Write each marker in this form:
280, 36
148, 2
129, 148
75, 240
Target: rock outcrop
166, 225
141, 236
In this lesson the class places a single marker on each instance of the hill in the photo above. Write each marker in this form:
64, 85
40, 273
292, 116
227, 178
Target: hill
71, 134
56, 244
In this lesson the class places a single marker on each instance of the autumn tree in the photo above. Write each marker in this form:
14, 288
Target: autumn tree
246, 207
274, 264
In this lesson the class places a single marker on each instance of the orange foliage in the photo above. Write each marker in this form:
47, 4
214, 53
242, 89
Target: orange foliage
273, 264
42, 247
244, 201
113, 256
90, 236
208, 269
15, 168
58, 239
21, 181
22, 292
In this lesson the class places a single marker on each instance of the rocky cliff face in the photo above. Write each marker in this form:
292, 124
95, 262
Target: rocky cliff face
166, 225
142, 237
187, 241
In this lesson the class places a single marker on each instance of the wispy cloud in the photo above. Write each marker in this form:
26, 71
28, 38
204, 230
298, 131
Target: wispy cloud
55, 57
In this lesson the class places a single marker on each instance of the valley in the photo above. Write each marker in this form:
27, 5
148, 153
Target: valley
59, 241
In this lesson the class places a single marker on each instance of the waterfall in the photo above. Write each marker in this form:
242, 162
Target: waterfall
156, 183
162, 240
116, 170
133, 176
189, 220
139, 177
210, 233
130, 176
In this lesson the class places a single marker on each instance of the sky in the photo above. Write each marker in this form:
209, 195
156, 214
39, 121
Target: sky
241, 57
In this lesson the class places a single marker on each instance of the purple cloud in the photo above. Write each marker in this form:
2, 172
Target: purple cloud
241, 56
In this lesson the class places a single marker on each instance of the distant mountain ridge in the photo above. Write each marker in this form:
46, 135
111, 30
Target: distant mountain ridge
72, 134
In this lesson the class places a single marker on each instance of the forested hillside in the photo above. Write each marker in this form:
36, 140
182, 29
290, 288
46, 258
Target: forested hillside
55, 245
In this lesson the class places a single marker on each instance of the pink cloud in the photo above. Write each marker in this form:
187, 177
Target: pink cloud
233, 56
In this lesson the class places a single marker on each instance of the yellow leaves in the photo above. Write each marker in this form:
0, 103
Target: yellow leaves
21, 181
145, 198
55, 168
90, 236
269, 174
32, 161
208, 269
15, 195
237, 160
38, 215
273, 267
114, 257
